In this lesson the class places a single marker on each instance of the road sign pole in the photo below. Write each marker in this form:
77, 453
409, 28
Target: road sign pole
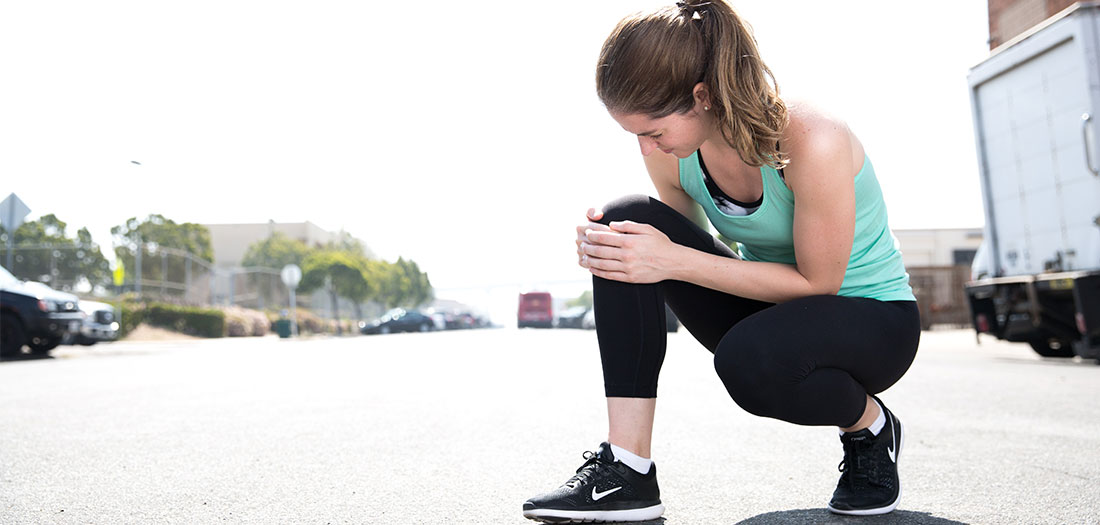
293, 314
292, 275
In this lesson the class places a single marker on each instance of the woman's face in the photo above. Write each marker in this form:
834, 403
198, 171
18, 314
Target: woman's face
678, 134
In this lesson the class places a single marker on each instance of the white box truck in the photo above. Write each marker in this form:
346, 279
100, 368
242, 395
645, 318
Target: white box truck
1036, 103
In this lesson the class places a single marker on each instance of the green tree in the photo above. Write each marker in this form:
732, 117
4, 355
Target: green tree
275, 252
402, 284
157, 231
420, 287
44, 252
345, 242
584, 299
339, 273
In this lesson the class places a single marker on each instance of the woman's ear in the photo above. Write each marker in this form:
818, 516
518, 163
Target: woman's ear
702, 97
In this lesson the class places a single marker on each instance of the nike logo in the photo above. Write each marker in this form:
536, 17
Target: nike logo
597, 496
892, 449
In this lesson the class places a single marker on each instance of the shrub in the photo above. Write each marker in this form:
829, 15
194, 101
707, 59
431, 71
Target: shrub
202, 322
242, 322
130, 315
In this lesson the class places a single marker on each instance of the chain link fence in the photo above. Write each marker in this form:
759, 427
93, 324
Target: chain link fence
154, 272
941, 294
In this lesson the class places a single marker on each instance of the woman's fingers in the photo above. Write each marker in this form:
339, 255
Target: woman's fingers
600, 251
631, 227
606, 238
598, 263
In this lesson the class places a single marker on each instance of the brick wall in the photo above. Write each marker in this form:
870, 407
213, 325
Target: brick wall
1008, 18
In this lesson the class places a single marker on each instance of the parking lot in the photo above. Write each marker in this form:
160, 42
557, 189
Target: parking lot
463, 426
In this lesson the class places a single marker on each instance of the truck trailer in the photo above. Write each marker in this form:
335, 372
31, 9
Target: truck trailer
1035, 104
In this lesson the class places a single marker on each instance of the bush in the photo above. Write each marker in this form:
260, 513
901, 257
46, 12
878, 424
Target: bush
130, 315
307, 322
242, 322
202, 322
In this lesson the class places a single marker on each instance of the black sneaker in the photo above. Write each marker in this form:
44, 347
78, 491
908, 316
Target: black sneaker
602, 490
869, 472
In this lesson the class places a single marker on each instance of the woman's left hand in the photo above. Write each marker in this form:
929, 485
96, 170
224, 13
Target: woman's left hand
631, 252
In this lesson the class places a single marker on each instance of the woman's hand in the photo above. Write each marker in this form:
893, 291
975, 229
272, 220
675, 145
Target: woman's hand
582, 236
628, 252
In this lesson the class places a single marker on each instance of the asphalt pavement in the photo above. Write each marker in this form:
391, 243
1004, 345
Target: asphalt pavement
462, 427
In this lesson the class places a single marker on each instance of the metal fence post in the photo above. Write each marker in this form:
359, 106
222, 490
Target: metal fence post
137, 263
187, 276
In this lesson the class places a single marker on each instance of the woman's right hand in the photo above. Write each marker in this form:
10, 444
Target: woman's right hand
582, 237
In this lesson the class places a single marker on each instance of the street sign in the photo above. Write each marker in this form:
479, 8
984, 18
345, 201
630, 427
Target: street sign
12, 213
292, 275
119, 273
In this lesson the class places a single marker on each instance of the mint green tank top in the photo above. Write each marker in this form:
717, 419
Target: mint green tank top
875, 269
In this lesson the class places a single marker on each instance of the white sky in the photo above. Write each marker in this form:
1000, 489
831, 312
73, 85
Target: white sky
466, 136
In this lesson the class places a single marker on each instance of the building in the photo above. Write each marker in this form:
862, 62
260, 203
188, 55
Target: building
1011, 18
938, 262
260, 289
938, 247
231, 241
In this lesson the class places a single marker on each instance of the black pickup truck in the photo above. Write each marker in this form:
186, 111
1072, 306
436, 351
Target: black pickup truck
30, 319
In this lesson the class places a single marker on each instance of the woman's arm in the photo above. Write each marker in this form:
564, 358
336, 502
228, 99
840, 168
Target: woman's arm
821, 176
664, 171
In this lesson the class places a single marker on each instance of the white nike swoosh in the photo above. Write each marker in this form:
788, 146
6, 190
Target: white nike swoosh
597, 496
892, 449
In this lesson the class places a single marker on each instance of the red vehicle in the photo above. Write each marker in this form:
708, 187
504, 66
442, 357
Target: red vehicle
536, 309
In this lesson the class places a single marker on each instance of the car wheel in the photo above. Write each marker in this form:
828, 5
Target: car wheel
425, 327
1048, 347
41, 345
384, 330
12, 337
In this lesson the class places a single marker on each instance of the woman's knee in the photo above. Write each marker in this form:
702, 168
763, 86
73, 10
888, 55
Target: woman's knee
743, 364
637, 208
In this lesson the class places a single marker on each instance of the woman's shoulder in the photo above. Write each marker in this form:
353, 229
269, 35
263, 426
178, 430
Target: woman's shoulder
663, 167
815, 135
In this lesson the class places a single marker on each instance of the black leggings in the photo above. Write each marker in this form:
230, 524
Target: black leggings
809, 361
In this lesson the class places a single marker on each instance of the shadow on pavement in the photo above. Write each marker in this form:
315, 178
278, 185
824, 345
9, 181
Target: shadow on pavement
817, 516
25, 357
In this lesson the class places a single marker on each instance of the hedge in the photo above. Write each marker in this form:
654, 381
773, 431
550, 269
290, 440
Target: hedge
201, 322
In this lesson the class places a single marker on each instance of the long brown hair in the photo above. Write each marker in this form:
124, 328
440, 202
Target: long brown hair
651, 63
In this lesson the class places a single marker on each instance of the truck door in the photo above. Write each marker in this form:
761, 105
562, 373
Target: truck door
1042, 200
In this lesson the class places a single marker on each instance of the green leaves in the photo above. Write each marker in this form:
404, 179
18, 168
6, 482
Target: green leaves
43, 252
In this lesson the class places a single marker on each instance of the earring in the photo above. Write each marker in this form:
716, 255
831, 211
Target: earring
706, 108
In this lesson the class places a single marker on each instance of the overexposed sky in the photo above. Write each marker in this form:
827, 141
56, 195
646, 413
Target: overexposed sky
466, 136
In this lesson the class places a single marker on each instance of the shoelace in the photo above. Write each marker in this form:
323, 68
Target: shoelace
591, 466
859, 464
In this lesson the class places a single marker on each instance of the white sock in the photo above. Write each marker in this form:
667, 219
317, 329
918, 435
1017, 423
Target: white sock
639, 464
880, 421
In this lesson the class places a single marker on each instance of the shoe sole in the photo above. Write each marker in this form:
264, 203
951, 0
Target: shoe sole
894, 504
594, 516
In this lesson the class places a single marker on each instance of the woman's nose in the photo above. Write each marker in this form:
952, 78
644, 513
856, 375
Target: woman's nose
648, 145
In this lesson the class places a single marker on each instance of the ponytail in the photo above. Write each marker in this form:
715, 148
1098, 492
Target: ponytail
651, 63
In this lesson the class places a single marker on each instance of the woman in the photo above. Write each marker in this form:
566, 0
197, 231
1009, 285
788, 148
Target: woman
811, 319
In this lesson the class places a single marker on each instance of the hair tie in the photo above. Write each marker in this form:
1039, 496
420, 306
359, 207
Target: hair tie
692, 10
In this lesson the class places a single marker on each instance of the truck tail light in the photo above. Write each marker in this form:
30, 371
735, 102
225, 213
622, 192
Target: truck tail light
1080, 318
43, 306
983, 323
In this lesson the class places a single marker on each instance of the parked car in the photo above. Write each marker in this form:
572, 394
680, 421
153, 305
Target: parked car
100, 323
536, 309
398, 320
588, 322
572, 317
33, 318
